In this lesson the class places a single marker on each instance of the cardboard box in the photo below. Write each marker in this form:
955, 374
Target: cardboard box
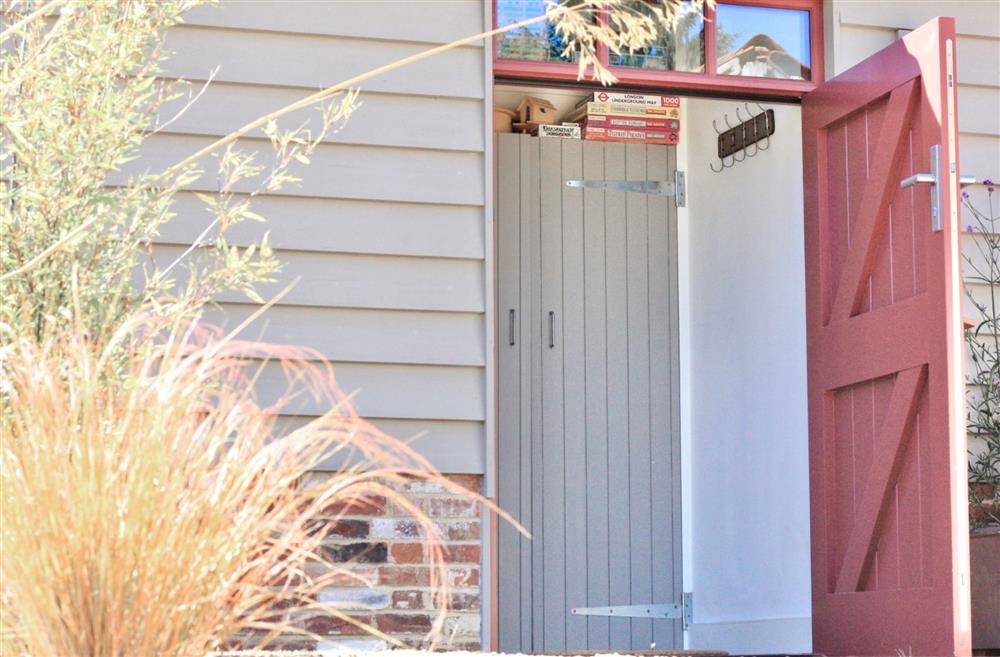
617, 109
611, 121
536, 110
638, 136
643, 100
562, 131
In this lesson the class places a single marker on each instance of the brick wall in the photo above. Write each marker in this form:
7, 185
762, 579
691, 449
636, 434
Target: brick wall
389, 583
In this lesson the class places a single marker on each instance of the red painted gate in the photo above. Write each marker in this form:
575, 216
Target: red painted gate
886, 396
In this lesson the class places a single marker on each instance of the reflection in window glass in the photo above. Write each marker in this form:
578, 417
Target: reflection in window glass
537, 42
763, 42
680, 49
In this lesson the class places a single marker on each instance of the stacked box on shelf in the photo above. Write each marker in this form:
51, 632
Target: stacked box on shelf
630, 117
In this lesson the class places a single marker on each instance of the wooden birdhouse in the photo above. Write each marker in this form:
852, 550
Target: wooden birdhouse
536, 110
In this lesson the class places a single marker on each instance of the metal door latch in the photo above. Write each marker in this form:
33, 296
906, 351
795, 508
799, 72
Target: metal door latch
934, 179
631, 611
655, 187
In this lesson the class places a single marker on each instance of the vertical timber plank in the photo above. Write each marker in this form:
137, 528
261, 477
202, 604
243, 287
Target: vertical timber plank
575, 412
637, 273
509, 388
529, 340
535, 439
596, 396
661, 390
675, 407
619, 548
552, 486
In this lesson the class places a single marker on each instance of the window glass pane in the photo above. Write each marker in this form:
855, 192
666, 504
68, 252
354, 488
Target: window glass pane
763, 41
680, 49
537, 42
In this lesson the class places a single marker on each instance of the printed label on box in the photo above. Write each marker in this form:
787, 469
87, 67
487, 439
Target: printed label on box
647, 100
598, 120
643, 136
620, 109
563, 131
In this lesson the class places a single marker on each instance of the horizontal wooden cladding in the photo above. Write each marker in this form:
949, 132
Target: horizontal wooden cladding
979, 155
361, 281
973, 116
973, 17
360, 335
381, 120
343, 226
429, 21
338, 170
978, 58
315, 62
452, 446
413, 392
976, 293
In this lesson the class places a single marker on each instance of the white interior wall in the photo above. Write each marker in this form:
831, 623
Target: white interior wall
746, 476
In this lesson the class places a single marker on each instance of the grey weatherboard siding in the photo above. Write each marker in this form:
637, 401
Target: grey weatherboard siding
388, 230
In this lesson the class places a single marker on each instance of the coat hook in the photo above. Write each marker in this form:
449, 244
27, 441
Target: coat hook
753, 123
725, 117
716, 128
767, 128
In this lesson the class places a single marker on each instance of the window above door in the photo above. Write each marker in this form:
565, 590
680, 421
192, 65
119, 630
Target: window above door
750, 47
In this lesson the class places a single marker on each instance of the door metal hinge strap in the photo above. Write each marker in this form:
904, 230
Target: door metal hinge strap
655, 187
631, 611
658, 187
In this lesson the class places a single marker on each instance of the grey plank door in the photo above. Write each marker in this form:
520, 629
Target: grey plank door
589, 449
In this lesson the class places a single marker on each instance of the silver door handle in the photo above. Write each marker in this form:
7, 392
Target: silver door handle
933, 179
929, 178
513, 316
552, 334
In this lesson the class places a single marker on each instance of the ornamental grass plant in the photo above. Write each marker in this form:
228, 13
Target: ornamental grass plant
150, 507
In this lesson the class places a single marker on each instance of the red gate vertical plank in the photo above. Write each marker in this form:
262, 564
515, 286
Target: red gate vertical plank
889, 540
875, 197
900, 411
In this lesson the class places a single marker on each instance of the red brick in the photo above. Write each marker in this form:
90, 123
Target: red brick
407, 600
340, 528
460, 578
407, 552
452, 507
349, 575
356, 553
298, 644
372, 505
462, 554
327, 625
404, 622
466, 646
462, 530
404, 576
458, 601
397, 528
469, 482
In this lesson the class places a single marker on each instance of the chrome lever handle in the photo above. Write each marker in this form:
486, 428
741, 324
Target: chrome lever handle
918, 178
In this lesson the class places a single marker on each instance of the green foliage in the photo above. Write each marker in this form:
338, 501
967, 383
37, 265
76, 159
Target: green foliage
982, 278
81, 92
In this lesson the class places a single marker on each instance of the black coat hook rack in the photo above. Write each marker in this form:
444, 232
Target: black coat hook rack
734, 141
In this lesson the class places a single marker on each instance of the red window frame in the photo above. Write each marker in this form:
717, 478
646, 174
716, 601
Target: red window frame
706, 82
